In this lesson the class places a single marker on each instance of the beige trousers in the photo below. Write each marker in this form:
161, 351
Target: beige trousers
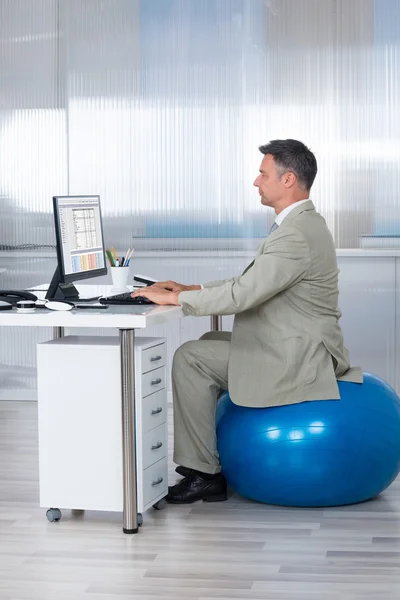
199, 374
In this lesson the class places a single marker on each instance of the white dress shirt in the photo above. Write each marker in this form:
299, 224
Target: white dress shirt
279, 218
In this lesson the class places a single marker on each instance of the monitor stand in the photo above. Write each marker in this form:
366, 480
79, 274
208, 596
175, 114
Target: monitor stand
61, 291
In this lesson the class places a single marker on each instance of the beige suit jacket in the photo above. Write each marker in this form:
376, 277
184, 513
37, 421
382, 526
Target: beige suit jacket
287, 344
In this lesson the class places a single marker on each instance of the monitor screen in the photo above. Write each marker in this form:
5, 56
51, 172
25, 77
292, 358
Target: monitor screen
80, 235
80, 245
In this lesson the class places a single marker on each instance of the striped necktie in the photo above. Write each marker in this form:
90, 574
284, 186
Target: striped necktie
273, 227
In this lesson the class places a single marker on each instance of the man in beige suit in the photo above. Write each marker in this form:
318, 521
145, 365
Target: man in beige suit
286, 345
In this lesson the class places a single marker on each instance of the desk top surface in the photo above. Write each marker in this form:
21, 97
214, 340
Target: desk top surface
119, 317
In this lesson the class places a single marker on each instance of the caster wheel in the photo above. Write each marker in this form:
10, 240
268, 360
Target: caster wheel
161, 504
140, 519
53, 515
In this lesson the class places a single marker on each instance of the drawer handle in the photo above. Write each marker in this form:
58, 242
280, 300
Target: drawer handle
155, 358
156, 381
157, 446
159, 480
157, 411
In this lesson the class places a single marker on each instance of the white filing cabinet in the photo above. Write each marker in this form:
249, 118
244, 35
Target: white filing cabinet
80, 423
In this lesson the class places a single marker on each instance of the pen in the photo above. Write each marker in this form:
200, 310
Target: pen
127, 255
110, 258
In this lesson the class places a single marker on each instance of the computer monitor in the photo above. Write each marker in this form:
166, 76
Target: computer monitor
80, 244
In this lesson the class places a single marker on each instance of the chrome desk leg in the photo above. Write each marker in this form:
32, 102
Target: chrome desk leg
216, 323
127, 345
58, 332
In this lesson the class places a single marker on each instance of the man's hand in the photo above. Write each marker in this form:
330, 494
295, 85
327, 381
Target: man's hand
173, 286
158, 295
164, 292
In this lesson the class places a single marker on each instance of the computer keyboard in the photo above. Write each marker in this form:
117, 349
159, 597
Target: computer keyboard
125, 298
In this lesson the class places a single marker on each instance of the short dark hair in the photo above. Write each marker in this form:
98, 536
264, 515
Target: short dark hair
292, 155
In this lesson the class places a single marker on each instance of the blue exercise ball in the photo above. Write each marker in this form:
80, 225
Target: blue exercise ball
320, 453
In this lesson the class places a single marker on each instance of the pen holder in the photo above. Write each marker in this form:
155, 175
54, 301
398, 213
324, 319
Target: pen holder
119, 278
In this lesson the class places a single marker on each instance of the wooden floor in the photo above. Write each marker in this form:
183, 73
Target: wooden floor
230, 550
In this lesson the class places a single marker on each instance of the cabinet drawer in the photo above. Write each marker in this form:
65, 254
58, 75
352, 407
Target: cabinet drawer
154, 357
153, 381
154, 410
154, 445
155, 481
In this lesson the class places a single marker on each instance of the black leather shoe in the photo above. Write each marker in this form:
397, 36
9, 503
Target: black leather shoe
184, 471
194, 487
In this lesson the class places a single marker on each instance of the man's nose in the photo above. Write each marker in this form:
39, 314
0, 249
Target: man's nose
255, 183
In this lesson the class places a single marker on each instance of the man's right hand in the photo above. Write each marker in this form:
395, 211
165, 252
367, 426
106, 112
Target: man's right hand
173, 286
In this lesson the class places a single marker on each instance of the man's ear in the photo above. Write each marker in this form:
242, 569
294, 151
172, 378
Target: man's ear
289, 179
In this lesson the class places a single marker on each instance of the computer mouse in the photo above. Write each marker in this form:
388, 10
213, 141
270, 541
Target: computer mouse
59, 305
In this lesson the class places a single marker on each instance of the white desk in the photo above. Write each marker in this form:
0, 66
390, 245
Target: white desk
126, 319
